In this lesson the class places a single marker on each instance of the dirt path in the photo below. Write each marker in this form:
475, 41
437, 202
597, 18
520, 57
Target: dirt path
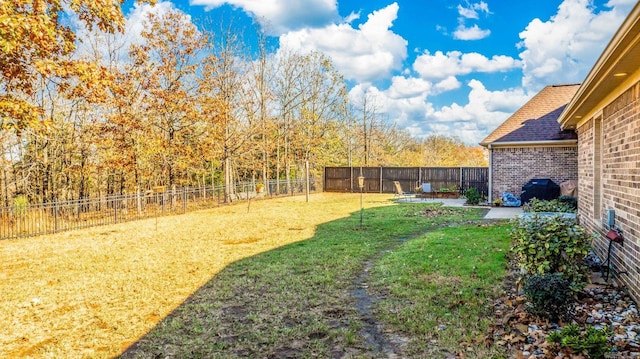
372, 331
387, 344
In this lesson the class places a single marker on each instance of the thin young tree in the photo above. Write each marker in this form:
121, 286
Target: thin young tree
224, 83
168, 64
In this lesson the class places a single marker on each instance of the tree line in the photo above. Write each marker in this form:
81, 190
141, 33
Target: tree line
184, 106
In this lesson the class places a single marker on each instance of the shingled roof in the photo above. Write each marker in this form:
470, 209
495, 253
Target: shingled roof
537, 120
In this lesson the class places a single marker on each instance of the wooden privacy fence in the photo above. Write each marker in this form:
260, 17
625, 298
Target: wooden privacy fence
24, 220
380, 179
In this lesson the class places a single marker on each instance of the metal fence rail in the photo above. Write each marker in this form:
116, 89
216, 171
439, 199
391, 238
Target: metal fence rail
25, 220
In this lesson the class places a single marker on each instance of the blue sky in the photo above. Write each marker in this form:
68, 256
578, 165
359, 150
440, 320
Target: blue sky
432, 66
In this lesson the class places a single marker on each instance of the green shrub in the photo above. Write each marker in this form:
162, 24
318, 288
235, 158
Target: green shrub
549, 296
20, 205
473, 196
570, 201
592, 342
555, 205
552, 244
448, 189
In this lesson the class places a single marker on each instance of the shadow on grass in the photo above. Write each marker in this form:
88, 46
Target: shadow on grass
298, 300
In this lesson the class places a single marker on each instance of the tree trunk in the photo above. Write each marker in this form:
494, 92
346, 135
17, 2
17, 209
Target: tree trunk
227, 179
265, 178
278, 170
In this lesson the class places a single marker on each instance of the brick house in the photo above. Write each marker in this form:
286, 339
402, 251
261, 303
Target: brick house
605, 113
530, 144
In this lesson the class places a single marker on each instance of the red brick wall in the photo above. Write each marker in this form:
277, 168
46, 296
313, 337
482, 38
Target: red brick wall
511, 168
585, 173
620, 183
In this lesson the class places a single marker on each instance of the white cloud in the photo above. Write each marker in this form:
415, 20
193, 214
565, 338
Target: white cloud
399, 103
482, 6
280, 16
470, 33
481, 115
353, 16
454, 63
564, 48
626, 4
404, 87
438, 65
471, 12
366, 54
484, 105
474, 32
468, 13
448, 84
406, 103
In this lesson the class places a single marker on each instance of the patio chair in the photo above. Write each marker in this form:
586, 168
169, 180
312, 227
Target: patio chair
426, 190
399, 192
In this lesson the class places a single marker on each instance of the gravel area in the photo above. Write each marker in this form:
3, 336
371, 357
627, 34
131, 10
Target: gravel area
601, 304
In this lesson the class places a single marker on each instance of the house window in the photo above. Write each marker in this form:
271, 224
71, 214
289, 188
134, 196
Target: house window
597, 168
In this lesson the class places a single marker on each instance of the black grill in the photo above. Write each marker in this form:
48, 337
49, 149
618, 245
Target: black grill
542, 189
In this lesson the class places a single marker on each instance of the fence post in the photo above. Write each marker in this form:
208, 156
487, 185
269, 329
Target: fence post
115, 210
174, 198
184, 199
55, 216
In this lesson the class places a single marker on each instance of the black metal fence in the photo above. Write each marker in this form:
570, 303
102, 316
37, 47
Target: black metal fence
380, 179
24, 220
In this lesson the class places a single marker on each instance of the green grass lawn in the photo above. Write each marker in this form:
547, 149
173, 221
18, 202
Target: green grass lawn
416, 280
439, 288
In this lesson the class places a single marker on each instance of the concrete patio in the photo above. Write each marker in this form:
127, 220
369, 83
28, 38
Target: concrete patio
494, 212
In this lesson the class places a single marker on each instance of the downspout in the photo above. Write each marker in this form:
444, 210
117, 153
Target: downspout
490, 194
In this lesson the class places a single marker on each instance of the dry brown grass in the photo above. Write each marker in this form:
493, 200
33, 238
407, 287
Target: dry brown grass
94, 292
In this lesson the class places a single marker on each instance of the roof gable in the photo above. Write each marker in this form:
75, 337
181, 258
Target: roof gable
537, 120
